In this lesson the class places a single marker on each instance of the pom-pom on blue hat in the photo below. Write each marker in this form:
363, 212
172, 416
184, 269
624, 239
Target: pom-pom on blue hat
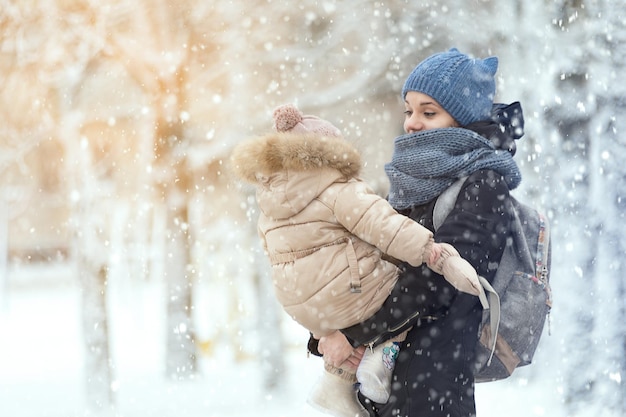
465, 87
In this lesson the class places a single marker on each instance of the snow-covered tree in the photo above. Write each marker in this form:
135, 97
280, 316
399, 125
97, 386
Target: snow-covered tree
34, 55
591, 137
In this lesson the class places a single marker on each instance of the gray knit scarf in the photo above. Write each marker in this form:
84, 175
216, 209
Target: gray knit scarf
426, 163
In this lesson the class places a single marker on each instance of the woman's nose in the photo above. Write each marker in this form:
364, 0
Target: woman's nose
413, 125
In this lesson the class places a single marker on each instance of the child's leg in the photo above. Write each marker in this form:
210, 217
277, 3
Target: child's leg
415, 298
336, 394
376, 368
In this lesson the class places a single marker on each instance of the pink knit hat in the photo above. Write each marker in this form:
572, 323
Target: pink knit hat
287, 118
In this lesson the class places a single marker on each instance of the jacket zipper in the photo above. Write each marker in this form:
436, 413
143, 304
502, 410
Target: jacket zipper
373, 342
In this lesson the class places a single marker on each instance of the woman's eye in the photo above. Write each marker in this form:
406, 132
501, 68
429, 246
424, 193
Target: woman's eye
429, 113
408, 113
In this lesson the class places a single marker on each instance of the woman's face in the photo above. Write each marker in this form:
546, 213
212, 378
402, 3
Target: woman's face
424, 113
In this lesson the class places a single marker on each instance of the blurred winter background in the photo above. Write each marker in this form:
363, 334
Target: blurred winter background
131, 281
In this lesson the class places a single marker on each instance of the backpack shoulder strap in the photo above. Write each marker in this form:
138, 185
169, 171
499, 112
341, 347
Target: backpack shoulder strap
445, 202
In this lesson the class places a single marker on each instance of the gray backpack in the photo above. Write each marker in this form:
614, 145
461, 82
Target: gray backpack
519, 296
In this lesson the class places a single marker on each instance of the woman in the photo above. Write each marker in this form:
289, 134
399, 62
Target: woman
450, 134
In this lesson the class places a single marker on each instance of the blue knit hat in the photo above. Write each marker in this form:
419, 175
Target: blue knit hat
463, 86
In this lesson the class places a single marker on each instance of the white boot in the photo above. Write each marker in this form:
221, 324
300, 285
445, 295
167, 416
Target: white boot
375, 371
336, 394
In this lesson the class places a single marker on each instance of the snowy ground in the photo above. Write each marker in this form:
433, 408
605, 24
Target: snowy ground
41, 362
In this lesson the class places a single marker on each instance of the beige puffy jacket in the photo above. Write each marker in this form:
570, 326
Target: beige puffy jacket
325, 230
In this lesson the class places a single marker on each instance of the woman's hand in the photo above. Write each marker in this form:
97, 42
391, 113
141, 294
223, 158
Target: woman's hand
339, 353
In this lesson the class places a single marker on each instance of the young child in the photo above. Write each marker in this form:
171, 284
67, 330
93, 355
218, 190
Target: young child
329, 239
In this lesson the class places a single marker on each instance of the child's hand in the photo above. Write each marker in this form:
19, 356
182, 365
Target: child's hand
456, 270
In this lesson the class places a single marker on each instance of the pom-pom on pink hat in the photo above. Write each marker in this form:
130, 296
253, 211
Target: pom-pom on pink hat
287, 118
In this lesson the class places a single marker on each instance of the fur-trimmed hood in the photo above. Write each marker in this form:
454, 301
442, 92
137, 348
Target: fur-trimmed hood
292, 169
277, 152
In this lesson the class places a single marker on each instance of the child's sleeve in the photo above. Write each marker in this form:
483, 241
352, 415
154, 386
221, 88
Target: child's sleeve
372, 219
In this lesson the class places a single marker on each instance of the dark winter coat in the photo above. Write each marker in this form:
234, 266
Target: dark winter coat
435, 361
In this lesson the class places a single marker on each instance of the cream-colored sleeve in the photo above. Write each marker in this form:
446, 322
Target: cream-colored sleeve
372, 219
